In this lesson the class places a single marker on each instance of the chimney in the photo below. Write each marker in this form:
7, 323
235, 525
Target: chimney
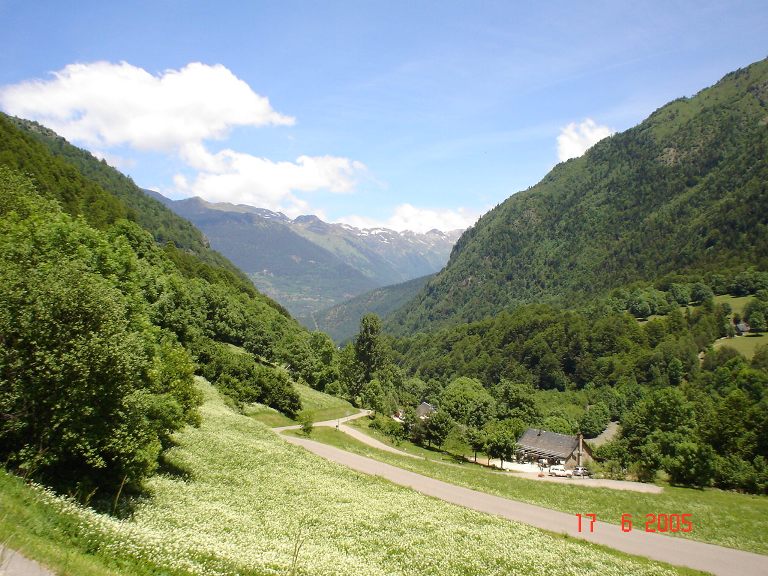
581, 449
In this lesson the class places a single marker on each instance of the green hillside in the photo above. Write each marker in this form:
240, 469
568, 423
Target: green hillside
251, 504
103, 328
342, 321
86, 186
685, 190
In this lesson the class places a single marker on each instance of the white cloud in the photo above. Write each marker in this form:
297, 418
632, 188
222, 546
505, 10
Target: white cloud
229, 176
575, 139
119, 162
409, 217
103, 104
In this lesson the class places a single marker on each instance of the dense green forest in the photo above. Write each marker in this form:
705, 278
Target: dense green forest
86, 186
341, 321
685, 191
595, 296
696, 411
103, 327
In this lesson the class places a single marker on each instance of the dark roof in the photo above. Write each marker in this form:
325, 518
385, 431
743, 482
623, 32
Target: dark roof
424, 409
549, 444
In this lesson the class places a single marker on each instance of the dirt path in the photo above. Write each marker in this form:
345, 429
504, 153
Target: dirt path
327, 423
678, 551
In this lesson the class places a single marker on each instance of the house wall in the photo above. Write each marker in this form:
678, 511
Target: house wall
573, 459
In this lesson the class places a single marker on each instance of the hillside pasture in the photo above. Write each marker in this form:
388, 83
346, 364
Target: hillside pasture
252, 504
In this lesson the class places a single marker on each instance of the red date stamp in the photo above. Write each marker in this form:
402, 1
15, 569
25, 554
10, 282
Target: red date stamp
662, 523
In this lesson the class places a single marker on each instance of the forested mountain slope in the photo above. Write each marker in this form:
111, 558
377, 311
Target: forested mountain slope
685, 190
103, 327
307, 264
280, 262
84, 185
342, 321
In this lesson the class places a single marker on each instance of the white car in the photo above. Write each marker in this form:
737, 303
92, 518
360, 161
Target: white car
560, 471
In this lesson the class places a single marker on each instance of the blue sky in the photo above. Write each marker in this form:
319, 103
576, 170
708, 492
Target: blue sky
412, 114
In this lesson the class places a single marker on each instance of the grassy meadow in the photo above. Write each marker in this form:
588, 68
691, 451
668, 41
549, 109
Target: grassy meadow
725, 518
317, 405
243, 501
746, 345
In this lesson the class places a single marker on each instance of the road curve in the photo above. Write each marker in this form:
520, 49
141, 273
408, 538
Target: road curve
677, 551
356, 434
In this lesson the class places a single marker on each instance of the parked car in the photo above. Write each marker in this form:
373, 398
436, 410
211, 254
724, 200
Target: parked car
581, 471
560, 471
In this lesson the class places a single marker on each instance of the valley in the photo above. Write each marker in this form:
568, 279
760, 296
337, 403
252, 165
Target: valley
196, 387
309, 265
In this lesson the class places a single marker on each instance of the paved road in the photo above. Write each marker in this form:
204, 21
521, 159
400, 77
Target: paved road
678, 551
327, 423
356, 434
14, 564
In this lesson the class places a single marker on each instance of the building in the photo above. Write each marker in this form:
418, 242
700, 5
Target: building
535, 444
424, 410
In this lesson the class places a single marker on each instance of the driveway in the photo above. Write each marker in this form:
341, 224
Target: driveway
531, 472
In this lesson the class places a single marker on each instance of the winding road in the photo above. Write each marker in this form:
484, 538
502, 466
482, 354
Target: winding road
677, 551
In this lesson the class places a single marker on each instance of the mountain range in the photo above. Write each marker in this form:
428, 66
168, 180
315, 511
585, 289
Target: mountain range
307, 264
685, 191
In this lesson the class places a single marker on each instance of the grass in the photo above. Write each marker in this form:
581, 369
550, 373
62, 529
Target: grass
737, 302
746, 345
323, 406
268, 416
31, 527
319, 405
724, 518
253, 504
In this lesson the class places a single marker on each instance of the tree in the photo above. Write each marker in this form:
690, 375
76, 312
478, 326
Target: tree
675, 371
476, 439
373, 397
700, 292
306, 422
351, 378
760, 358
369, 350
501, 438
467, 402
595, 420
757, 322
438, 426
691, 464
648, 463
517, 400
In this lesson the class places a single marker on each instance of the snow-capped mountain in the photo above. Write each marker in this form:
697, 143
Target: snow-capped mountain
307, 264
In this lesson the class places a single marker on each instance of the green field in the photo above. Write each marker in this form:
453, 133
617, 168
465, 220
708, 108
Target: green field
724, 518
737, 303
746, 345
323, 406
318, 405
251, 504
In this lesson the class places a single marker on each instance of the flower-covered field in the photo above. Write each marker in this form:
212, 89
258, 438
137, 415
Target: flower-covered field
254, 504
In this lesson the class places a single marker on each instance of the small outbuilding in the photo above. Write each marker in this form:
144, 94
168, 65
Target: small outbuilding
535, 444
424, 410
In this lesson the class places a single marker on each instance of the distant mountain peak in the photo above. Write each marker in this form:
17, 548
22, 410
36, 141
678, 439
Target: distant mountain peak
308, 264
